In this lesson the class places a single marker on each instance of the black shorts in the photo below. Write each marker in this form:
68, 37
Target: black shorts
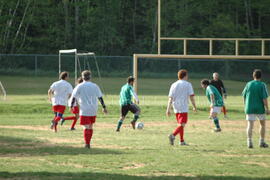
129, 107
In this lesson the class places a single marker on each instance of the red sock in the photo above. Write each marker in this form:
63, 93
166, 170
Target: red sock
224, 110
70, 118
57, 118
74, 122
181, 133
177, 130
88, 135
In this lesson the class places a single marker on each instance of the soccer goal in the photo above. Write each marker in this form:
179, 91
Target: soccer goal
78, 65
3, 91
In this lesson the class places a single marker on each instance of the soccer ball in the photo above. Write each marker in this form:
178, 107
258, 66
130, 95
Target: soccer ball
139, 125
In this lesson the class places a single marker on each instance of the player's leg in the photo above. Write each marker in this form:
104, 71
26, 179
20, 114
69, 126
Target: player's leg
181, 121
52, 122
224, 111
73, 110
123, 113
262, 131
74, 122
250, 124
214, 112
136, 111
87, 122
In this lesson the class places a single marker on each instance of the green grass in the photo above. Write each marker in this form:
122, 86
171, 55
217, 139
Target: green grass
29, 150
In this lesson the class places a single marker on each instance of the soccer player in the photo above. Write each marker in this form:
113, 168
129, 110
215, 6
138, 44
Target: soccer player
256, 105
86, 94
126, 103
216, 102
58, 95
74, 110
221, 89
180, 93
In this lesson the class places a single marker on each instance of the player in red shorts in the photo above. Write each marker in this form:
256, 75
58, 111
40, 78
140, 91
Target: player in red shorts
58, 95
87, 95
180, 93
74, 110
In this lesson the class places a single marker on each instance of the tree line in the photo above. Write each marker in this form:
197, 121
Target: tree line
124, 27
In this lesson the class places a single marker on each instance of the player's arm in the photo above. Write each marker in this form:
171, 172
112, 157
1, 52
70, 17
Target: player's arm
169, 106
103, 104
265, 102
223, 88
135, 95
212, 98
192, 99
50, 93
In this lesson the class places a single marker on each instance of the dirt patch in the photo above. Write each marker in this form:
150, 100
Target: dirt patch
133, 166
55, 140
35, 128
262, 164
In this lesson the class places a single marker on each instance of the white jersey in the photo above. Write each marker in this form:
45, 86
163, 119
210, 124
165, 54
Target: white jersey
180, 92
61, 92
87, 94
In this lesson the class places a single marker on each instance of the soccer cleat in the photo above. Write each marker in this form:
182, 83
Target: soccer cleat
72, 129
62, 121
249, 145
183, 143
217, 130
263, 145
171, 139
133, 124
87, 146
117, 130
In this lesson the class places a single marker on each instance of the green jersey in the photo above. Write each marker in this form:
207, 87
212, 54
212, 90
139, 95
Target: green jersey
126, 94
218, 101
254, 93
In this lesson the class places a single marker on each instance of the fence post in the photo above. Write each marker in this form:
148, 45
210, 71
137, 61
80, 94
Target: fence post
35, 65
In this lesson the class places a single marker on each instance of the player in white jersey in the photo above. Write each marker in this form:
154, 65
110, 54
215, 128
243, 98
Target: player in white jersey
58, 95
87, 95
74, 110
180, 93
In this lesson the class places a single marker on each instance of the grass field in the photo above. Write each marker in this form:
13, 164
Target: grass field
30, 150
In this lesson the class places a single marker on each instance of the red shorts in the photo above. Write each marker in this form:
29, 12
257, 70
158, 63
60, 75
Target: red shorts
85, 120
181, 117
59, 109
75, 110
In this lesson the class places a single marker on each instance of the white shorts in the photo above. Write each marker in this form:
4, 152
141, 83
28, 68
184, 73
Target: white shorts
253, 117
215, 109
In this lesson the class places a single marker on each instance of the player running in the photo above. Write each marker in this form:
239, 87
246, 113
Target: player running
216, 102
58, 95
180, 93
86, 94
126, 103
74, 110
221, 89
256, 105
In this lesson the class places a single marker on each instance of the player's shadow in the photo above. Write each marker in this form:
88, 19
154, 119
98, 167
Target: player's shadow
26, 147
97, 176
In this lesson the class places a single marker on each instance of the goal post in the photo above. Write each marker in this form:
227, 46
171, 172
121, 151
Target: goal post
3, 91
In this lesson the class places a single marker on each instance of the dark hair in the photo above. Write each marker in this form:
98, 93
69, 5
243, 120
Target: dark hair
86, 75
79, 80
130, 79
257, 73
63, 75
205, 82
182, 73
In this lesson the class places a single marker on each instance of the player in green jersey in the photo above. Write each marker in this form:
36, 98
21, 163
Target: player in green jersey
216, 102
256, 106
126, 103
